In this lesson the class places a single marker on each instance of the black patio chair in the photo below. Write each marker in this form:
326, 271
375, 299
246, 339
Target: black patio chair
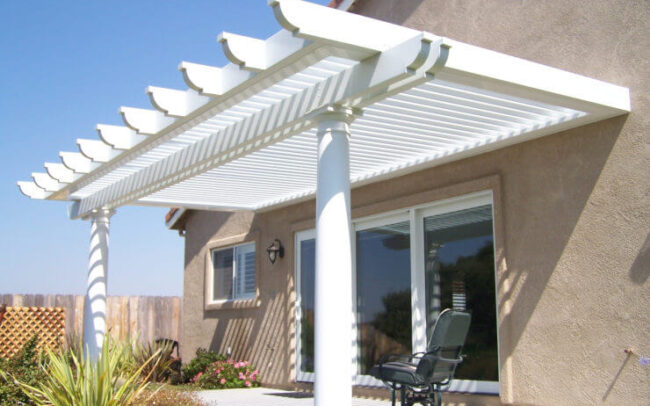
420, 377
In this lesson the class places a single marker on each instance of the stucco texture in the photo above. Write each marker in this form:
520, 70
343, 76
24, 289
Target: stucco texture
572, 216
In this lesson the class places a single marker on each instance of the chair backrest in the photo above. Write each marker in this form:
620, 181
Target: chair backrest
447, 340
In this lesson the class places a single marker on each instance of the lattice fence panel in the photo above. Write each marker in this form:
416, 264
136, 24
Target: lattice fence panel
19, 324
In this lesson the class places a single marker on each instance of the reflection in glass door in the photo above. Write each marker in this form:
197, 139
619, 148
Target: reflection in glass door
459, 273
383, 292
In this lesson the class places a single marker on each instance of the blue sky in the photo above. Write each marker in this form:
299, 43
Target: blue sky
64, 67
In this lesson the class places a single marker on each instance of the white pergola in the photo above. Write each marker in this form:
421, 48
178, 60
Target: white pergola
332, 101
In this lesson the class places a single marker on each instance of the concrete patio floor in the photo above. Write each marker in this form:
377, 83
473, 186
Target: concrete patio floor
268, 397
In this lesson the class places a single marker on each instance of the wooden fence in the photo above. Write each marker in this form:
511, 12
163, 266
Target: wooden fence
149, 317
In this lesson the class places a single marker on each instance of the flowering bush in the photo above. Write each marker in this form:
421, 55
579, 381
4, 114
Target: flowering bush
227, 374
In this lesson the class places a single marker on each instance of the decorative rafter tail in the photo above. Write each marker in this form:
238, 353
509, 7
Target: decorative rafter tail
175, 103
97, 150
77, 162
32, 190
145, 121
46, 182
119, 137
61, 173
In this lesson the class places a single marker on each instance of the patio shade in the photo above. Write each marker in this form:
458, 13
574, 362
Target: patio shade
243, 136
332, 101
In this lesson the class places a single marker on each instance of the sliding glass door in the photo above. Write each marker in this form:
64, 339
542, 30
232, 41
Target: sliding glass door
409, 266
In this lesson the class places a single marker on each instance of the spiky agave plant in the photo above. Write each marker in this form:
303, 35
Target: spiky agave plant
83, 382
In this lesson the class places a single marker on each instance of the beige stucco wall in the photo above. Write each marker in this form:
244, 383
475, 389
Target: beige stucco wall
572, 215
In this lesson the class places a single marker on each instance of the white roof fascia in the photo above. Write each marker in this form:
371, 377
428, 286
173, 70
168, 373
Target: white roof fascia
490, 70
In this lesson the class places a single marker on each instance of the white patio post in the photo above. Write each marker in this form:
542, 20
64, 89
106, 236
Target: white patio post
333, 294
95, 306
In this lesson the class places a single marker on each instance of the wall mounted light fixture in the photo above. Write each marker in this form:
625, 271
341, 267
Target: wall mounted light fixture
275, 250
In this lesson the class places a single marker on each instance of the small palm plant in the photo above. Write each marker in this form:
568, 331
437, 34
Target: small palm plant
73, 380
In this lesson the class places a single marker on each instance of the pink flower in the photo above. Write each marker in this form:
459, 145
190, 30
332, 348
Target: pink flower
223, 380
253, 377
247, 383
241, 376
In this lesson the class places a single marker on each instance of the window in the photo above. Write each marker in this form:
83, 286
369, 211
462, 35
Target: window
233, 273
443, 253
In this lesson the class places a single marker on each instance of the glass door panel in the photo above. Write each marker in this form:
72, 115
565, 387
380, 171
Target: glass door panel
383, 292
307, 264
459, 273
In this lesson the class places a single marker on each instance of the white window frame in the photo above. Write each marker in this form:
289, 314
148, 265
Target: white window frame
235, 279
415, 215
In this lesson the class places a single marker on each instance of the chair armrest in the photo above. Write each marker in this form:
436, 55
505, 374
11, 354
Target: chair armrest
395, 357
448, 360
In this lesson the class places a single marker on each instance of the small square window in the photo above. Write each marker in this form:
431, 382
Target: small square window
233, 273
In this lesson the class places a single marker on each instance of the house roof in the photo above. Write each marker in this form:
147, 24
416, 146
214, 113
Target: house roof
341, 4
242, 136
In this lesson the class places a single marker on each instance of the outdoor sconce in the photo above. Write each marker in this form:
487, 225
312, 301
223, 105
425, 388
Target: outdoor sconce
275, 250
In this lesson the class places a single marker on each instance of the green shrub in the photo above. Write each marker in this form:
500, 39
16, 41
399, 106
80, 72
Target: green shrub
227, 374
160, 354
83, 382
200, 363
24, 366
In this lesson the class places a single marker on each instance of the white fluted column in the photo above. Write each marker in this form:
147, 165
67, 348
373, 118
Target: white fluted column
333, 295
95, 307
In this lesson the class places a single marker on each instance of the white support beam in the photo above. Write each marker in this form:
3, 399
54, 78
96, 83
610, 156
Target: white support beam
61, 173
357, 85
119, 137
175, 103
145, 121
95, 304
32, 190
45, 181
77, 162
97, 150
333, 331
